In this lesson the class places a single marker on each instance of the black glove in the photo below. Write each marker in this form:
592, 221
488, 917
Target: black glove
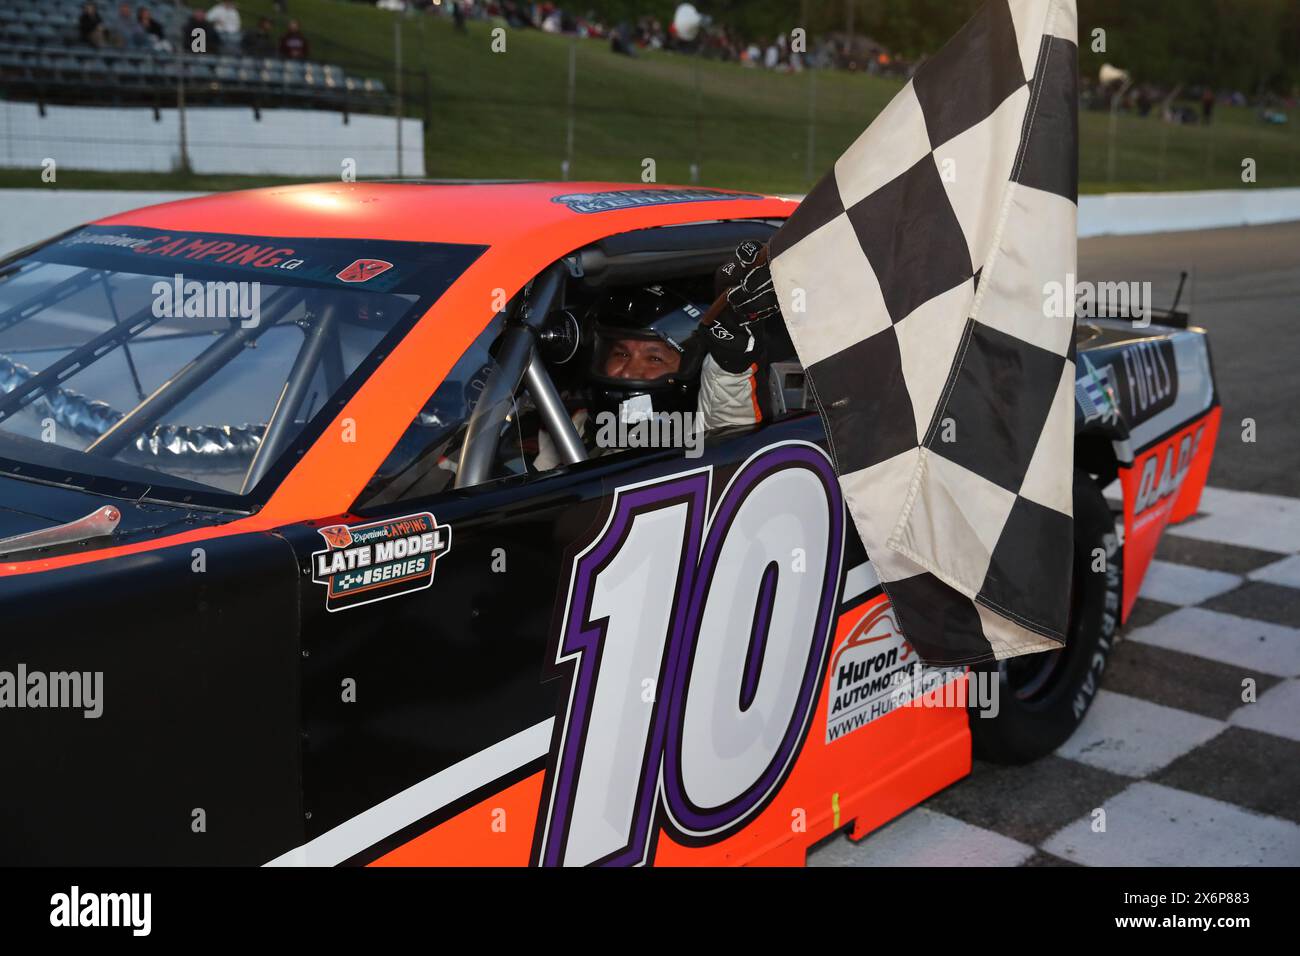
736, 339
747, 281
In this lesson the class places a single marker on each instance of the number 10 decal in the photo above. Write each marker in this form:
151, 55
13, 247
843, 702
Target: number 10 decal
698, 646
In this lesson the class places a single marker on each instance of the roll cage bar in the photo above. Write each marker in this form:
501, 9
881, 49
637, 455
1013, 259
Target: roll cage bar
644, 255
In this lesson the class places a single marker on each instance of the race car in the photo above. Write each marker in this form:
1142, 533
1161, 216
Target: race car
280, 582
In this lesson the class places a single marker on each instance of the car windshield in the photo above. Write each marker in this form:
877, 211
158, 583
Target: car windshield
188, 366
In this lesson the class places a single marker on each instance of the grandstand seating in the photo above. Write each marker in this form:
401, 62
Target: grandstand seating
41, 57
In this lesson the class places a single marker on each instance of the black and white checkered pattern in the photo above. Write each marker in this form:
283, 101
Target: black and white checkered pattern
1192, 746
913, 280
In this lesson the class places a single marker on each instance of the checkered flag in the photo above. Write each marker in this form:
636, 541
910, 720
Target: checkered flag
914, 280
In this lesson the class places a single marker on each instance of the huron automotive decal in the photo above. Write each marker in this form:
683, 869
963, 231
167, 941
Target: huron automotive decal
382, 559
865, 670
696, 645
611, 199
874, 671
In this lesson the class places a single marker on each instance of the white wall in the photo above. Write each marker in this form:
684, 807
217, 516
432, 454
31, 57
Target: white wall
284, 142
1123, 214
30, 215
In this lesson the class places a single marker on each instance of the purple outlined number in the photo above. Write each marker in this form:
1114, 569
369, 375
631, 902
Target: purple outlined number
697, 654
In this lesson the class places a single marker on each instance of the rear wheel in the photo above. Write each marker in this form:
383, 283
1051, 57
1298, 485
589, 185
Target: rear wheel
1043, 697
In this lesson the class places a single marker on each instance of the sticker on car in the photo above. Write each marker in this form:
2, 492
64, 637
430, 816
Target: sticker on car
370, 562
874, 671
363, 270
611, 199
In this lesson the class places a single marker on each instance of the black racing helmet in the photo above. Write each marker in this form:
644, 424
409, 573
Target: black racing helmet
646, 341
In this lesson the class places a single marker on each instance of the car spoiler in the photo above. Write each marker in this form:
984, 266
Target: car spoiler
1172, 317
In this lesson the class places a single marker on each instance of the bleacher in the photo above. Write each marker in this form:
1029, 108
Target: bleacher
42, 58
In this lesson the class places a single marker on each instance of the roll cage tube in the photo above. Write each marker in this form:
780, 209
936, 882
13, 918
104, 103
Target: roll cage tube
321, 335
75, 361
172, 392
515, 360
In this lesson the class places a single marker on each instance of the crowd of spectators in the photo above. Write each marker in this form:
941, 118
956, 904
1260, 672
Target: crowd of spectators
218, 29
137, 30
707, 37
1179, 105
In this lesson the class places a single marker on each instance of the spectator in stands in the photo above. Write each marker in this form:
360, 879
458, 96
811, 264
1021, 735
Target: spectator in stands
620, 40
225, 18
150, 28
260, 42
90, 26
293, 45
198, 35
126, 29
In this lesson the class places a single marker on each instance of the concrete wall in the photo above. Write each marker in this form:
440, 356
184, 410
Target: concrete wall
282, 142
29, 215
1123, 214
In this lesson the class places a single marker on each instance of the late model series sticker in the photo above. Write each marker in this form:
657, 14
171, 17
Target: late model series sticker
370, 562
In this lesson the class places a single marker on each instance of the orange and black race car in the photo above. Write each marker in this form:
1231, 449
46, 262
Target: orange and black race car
283, 580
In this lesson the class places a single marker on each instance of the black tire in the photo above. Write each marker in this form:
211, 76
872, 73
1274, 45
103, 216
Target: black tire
1043, 697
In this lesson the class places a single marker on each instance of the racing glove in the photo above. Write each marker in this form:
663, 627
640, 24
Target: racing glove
735, 339
747, 280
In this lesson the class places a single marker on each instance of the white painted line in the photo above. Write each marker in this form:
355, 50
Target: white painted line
1285, 572
1245, 518
1184, 585
366, 829
923, 837
1135, 737
1276, 712
859, 580
1226, 501
1151, 825
1241, 642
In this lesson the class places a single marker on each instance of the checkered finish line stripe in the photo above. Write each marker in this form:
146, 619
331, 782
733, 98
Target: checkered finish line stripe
912, 280
1189, 768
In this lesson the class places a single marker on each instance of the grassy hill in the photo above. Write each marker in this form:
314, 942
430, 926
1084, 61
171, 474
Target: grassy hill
505, 114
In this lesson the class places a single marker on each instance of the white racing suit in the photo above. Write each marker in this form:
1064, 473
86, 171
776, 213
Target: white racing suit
725, 399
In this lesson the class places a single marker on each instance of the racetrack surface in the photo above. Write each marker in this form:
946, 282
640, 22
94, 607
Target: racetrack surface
1186, 772
1244, 287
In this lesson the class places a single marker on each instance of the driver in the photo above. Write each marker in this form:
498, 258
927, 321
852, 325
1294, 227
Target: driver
651, 356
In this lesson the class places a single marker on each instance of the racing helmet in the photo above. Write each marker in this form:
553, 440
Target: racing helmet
646, 350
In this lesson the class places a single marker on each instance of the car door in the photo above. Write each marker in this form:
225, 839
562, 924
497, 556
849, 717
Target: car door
637, 643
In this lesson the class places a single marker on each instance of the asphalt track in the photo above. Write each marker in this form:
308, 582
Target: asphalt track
1244, 287
1187, 773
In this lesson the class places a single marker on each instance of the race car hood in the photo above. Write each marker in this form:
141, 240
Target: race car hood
28, 506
